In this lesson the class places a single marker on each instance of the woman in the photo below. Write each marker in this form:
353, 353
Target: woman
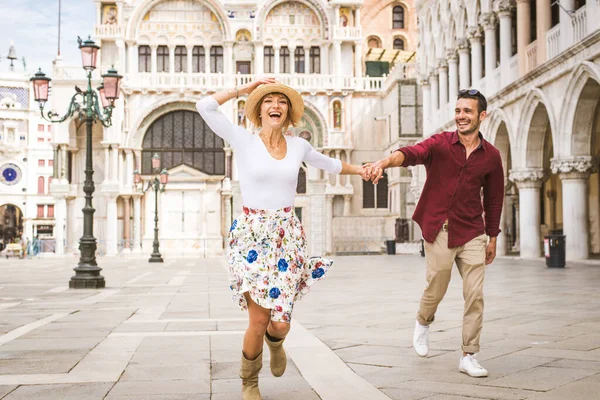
268, 265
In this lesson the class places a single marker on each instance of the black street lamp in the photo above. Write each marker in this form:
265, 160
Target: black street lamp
85, 106
158, 185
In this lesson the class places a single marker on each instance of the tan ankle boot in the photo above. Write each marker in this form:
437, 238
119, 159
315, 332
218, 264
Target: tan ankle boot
249, 374
278, 357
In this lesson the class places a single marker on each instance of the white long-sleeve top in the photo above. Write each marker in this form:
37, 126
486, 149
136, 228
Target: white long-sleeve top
265, 182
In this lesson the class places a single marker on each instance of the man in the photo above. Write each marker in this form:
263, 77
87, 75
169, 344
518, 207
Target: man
451, 214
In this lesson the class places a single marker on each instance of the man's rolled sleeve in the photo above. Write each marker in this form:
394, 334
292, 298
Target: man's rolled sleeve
493, 197
419, 153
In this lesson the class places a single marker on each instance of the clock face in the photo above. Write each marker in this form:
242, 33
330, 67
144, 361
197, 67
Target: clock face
10, 174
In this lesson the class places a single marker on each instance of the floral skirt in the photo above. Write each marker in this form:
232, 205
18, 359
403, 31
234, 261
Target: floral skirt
267, 259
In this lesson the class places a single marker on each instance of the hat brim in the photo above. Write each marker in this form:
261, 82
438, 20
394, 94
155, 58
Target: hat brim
257, 94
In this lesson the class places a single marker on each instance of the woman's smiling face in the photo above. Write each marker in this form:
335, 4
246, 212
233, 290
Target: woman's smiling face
274, 110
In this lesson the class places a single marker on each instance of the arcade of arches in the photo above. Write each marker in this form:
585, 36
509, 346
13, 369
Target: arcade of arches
554, 192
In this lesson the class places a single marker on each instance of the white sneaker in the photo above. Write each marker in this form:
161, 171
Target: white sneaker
421, 339
469, 365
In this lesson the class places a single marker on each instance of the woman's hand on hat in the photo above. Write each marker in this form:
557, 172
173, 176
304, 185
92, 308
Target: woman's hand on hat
248, 88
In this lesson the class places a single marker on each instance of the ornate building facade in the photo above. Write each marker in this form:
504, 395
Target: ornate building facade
174, 52
26, 163
538, 63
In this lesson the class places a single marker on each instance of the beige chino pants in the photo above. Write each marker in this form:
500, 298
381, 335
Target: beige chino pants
470, 260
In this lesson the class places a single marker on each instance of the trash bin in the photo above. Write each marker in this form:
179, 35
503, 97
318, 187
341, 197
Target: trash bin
391, 246
554, 250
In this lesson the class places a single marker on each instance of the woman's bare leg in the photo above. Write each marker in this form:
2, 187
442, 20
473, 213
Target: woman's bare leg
257, 326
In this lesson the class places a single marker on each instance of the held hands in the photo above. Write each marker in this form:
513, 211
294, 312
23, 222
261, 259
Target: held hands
374, 171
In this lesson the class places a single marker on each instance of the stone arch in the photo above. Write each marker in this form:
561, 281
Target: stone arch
319, 123
155, 111
315, 5
577, 116
182, 137
14, 228
140, 12
497, 117
536, 116
373, 39
404, 39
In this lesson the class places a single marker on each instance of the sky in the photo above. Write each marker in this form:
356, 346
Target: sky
33, 27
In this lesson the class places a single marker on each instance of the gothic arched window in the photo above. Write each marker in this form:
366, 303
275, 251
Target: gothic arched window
182, 137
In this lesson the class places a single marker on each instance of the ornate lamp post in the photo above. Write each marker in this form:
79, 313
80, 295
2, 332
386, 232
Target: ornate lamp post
85, 105
158, 185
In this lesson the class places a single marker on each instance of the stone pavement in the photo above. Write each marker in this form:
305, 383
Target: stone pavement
171, 332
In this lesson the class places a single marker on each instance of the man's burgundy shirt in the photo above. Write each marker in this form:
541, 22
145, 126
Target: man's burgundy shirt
452, 190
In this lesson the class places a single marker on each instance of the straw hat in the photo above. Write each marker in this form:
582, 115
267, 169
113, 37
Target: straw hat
297, 109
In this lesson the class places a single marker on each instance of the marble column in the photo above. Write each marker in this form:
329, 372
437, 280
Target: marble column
153, 59
107, 163
325, 59
337, 58
358, 68
523, 33
63, 172
435, 96
207, 59
114, 167
426, 87
452, 75
137, 224
347, 204
504, 14
501, 239
189, 58
566, 23
277, 61
543, 19
111, 225
476, 56
129, 169
228, 67
292, 59
574, 174
329, 224
60, 217
463, 64
489, 21
338, 177
126, 224
307, 60
132, 48
443, 80
529, 182
259, 59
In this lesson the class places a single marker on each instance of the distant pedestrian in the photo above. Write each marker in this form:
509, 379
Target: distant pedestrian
36, 245
459, 208
269, 268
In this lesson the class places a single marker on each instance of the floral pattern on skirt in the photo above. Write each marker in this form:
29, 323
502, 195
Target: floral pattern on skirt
267, 258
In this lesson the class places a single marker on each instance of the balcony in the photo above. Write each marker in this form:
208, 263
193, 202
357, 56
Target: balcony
306, 83
553, 47
580, 24
108, 31
347, 33
531, 52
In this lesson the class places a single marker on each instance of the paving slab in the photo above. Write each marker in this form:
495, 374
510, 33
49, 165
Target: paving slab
171, 332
